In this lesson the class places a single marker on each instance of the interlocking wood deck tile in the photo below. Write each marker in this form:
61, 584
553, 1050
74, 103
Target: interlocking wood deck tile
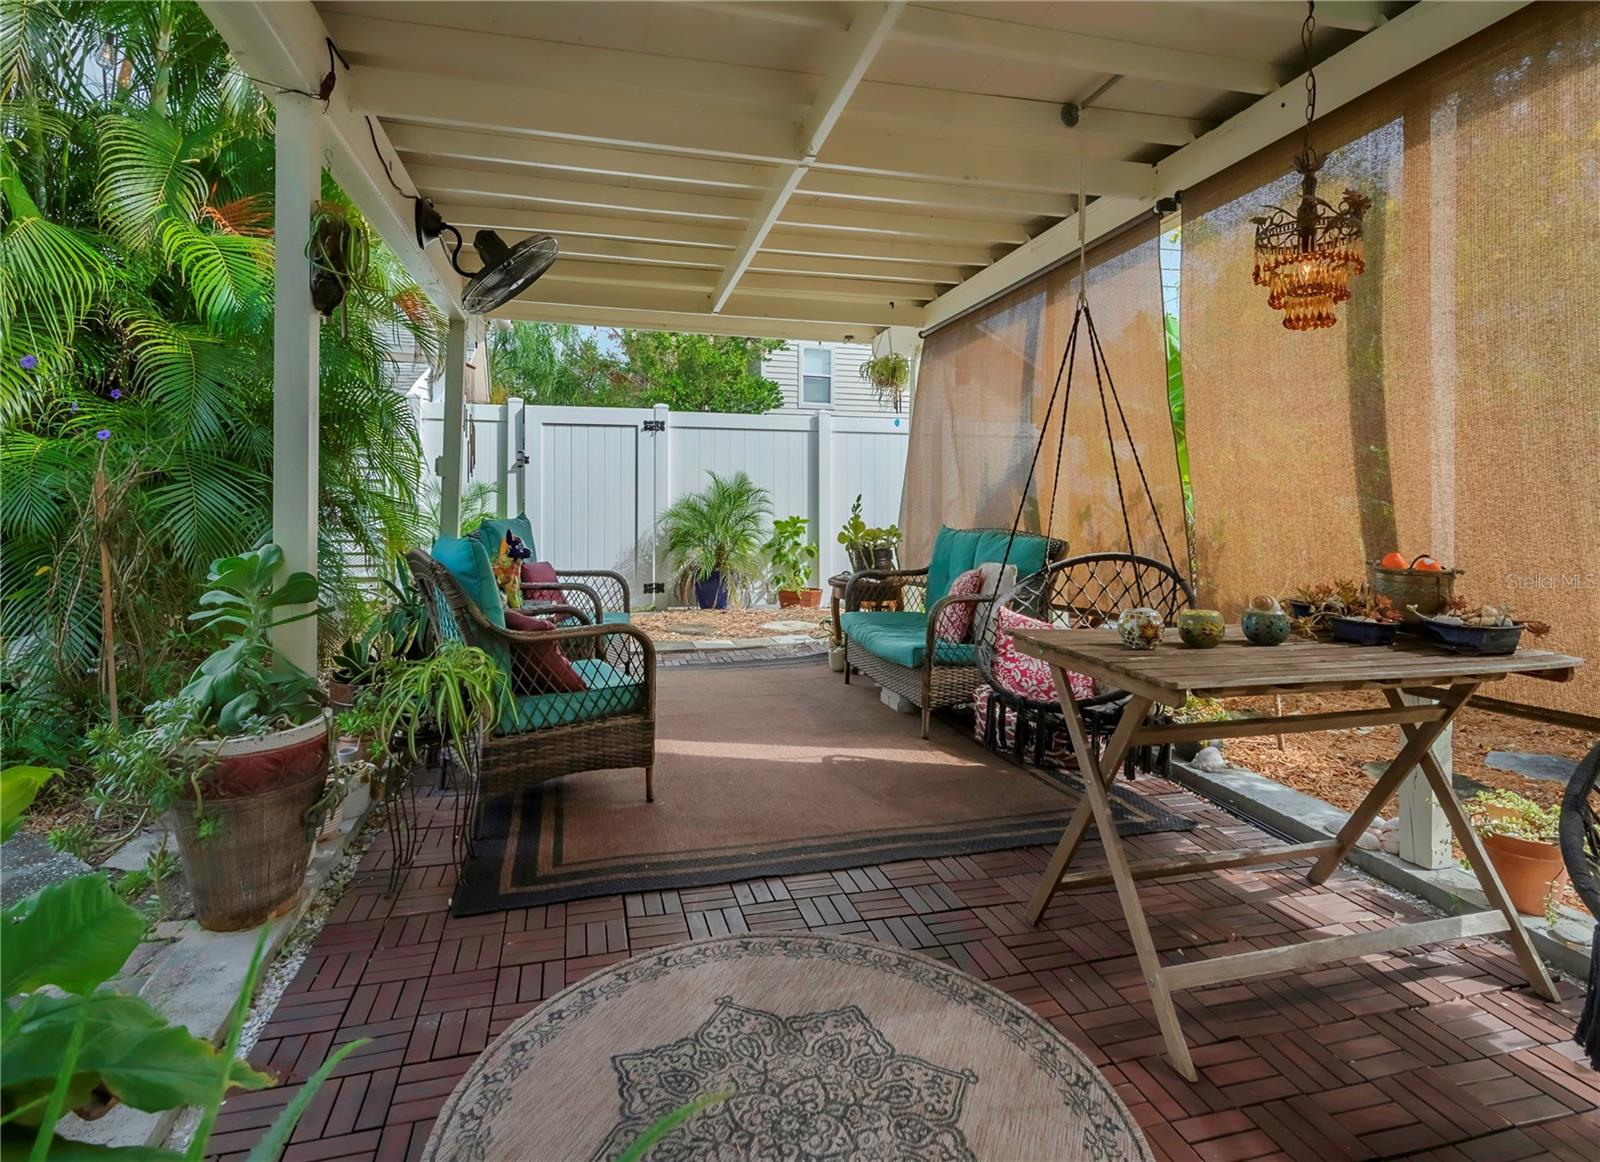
1431, 1054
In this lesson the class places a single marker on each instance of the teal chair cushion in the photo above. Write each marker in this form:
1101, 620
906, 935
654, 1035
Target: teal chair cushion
610, 692
957, 550
616, 617
492, 532
466, 561
902, 638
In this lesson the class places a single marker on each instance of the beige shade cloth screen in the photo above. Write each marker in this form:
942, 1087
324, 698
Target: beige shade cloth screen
983, 393
1455, 409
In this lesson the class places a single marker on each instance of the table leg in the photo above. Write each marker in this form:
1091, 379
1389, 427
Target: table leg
1419, 739
1532, 967
1089, 768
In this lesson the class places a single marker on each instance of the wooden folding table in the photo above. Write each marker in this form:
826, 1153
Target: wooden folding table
1235, 668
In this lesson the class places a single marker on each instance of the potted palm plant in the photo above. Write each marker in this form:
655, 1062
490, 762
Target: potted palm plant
714, 537
791, 556
238, 759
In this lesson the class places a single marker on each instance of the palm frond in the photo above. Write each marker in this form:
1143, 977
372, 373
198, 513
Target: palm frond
149, 174
227, 274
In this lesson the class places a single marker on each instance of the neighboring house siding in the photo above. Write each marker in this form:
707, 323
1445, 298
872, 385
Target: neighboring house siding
852, 395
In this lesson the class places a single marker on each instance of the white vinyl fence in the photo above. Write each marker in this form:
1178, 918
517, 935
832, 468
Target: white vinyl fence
595, 480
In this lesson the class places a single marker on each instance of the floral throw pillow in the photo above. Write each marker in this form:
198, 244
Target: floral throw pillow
1025, 675
955, 621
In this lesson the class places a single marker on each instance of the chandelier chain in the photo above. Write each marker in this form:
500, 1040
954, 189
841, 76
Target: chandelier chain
1307, 30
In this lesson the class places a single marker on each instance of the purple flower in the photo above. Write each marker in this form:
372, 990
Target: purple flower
116, 393
73, 405
103, 434
29, 362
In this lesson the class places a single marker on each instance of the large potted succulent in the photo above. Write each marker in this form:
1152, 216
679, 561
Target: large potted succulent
714, 537
239, 758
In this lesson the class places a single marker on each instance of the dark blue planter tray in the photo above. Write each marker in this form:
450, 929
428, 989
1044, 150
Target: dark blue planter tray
1363, 633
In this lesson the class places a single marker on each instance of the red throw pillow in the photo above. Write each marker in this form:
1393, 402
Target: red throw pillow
955, 622
540, 667
541, 573
1025, 675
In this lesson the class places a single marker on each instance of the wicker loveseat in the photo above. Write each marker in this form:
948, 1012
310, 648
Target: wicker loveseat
582, 697
600, 595
890, 616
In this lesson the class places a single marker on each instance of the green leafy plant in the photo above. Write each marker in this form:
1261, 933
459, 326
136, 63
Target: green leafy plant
1504, 812
454, 690
67, 1043
717, 530
664, 1125
789, 554
854, 534
243, 686
888, 374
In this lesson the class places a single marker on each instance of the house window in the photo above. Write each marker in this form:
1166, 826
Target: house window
816, 375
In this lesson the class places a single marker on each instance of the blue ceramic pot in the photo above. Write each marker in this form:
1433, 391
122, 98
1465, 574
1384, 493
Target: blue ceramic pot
1265, 627
712, 593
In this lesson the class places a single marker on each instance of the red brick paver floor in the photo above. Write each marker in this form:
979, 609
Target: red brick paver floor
1440, 1054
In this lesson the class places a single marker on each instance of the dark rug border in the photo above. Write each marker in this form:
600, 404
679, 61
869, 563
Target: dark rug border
480, 893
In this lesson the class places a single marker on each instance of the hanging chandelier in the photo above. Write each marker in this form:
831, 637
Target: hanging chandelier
1306, 256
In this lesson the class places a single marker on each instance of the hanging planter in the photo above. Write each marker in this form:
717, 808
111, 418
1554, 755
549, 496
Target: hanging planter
340, 254
888, 374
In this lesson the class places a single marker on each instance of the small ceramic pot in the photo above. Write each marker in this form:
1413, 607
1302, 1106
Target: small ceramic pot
1140, 628
1265, 627
1200, 628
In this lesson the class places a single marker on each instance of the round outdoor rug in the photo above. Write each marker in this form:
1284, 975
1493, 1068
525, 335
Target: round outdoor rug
827, 1047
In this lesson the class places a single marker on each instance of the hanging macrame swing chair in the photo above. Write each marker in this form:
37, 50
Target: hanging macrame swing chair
1081, 591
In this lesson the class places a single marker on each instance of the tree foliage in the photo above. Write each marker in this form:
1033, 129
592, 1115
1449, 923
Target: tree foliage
564, 365
136, 182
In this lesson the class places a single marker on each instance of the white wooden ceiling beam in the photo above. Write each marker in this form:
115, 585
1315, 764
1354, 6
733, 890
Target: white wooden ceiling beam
283, 45
620, 274
865, 36
966, 163
1354, 15
691, 302
977, 201
902, 107
705, 324
441, 183
467, 216
1420, 32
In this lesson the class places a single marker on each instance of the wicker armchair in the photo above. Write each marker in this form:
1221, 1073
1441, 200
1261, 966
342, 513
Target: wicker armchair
889, 626
601, 595
1079, 593
583, 697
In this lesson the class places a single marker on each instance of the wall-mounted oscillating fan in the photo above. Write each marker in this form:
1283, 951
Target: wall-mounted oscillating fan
507, 271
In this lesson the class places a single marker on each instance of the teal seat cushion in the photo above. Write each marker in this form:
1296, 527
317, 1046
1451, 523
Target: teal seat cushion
616, 617
610, 692
902, 638
957, 550
492, 532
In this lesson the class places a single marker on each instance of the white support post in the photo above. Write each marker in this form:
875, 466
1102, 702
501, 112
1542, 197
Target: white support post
825, 495
296, 413
662, 493
516, 496
1424, 830
455, 394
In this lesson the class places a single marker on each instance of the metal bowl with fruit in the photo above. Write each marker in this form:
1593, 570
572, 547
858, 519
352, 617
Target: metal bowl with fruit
1422, 585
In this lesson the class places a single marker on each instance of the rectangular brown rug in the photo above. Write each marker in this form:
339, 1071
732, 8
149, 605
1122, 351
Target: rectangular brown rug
770, 770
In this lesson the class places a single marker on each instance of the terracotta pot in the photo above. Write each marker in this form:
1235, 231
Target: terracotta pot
341, 694
258, 791
805, 598
1528, 869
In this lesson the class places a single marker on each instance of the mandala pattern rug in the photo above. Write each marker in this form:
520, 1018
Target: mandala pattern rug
771, 770
808, 1047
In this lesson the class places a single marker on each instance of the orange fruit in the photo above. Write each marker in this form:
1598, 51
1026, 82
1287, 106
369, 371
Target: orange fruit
1427, 565
1393, 561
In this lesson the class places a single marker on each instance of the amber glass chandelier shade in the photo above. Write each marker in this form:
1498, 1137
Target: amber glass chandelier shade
1306, 259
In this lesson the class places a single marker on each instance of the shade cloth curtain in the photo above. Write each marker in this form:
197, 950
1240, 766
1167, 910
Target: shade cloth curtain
983, 394
1455, 409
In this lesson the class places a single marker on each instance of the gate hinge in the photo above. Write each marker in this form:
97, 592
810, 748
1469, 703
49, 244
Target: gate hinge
655, 586
655, 425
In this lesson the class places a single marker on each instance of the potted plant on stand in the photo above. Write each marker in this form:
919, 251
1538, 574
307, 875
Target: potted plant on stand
714, 537
791, 557
1522, 839
240, 757
856, 538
